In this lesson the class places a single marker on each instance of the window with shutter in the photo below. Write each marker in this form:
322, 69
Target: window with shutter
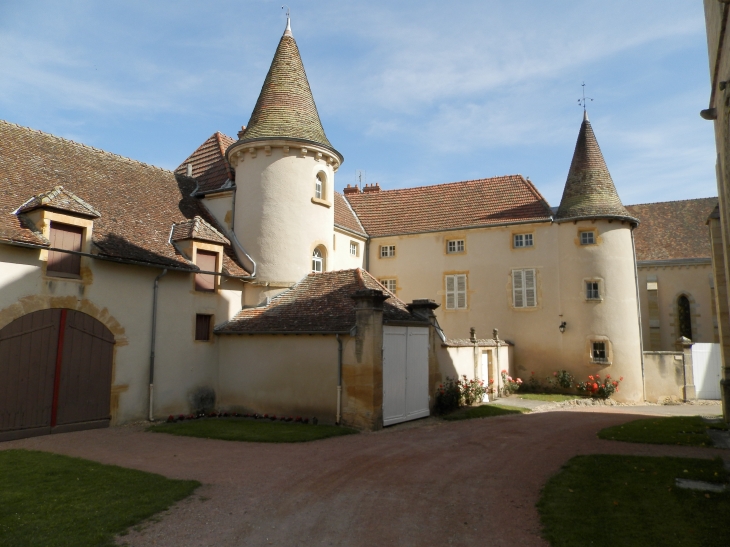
456, 292
206, 261
202, 327
524, 289
66, 237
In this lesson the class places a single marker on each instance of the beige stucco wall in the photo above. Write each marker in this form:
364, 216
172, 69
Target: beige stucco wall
278, 220
561, 265
661, 324
220, 205
664, 375
340, 257
120, 296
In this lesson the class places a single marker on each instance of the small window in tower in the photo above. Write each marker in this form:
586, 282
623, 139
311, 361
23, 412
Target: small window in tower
317, 261
588, 238
592, 290
319, 186
455, 246
599, 353
522, 240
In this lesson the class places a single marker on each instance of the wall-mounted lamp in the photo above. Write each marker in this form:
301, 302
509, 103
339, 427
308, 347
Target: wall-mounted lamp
708, 114
562, 327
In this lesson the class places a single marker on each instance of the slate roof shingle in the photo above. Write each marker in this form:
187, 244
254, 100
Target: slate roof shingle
285, 107
321, 302
210, 168
60, 200
138, 202
345, 217
589, 190
483, 202
672, 230
198, 229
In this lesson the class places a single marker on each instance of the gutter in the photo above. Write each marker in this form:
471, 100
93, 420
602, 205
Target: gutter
126, 261
470, 227
675, 262
152, 349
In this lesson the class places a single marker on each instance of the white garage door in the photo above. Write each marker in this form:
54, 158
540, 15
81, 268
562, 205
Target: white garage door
706, 367
405, 374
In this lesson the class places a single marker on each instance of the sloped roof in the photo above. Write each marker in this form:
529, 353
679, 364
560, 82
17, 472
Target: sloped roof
345, 217
285, 107
672, 230
210, 168
198, 229
483, 202
589, 190
60, 200
138, 203
321, 302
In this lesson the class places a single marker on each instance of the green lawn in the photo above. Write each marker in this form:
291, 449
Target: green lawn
483, 411
57, 501
632, 501
258, 431
683, 430
554, 397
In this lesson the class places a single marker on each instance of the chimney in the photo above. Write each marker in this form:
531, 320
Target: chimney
240, 133
351, 190
190, 170
372, 187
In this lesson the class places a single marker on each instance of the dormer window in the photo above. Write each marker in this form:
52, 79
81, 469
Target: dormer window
69, 238
207, 261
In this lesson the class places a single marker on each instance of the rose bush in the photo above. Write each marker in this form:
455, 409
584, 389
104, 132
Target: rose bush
602, 389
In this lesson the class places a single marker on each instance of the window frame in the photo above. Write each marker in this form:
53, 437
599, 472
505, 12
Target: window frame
318, 257
459, 246
523, 238
604, 360
522, 288
387, 251
455, 292
208, 330
593, 292
593, 237
319, 186
386, 282
56, 257
201, 278
354, 245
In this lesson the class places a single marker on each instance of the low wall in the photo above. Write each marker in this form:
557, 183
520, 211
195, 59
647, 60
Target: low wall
663, 375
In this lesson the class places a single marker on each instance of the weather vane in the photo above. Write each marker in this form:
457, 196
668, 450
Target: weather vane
582, 101
287, 10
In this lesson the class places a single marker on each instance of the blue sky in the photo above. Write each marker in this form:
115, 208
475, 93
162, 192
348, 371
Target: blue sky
412, 93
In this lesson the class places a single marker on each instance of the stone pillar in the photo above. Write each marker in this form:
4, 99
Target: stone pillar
362, 404
685, 346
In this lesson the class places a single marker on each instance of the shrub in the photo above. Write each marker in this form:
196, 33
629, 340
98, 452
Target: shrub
472, 391
532, 385
561, 379
448, 396
602, 389
509, 386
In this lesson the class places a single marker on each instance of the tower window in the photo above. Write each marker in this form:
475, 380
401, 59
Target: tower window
599, 353
319, 186
522, 240
592, 292
588, 238
317, 261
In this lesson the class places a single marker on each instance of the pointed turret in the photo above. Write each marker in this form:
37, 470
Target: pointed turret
589, 191
285, 108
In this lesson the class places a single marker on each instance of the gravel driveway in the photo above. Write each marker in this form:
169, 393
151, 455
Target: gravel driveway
474, 482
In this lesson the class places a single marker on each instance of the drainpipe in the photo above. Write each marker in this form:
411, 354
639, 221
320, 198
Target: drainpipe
154, 335
339, 379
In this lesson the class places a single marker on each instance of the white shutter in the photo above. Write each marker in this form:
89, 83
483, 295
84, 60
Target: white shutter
450, 292
530, 295
461, 291
517, 289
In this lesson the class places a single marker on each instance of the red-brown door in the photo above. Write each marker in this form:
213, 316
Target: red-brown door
55, 373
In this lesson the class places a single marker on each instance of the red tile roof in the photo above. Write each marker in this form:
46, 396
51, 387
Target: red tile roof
483, 202
60, 200
210, 168
672, 230
321, 302
138, 203
345, 217
198, 229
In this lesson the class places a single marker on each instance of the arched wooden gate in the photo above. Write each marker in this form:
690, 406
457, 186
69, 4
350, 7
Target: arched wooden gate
55, 374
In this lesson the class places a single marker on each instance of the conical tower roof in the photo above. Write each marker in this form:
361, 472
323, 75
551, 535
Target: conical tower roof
589, 191
285, 107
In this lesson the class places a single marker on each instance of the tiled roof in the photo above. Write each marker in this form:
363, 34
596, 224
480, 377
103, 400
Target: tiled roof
483, 202
60, 200
138, 202
210, 167
345, 217
199, 229
673, 230
321, 302
285, 107
589, 191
